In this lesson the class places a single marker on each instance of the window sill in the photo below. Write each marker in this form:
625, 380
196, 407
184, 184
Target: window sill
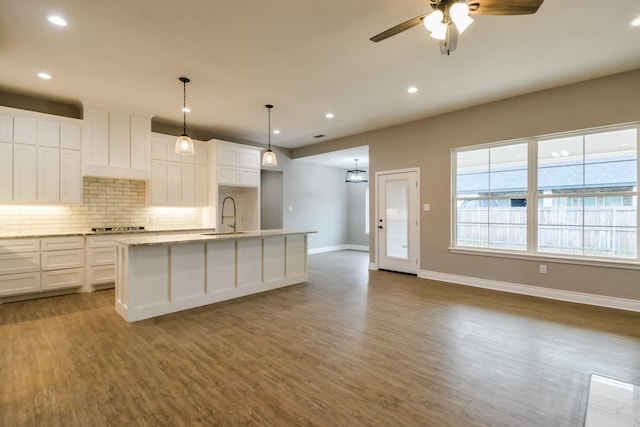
562, 259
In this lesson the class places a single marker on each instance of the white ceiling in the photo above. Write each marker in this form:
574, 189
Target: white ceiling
306, 57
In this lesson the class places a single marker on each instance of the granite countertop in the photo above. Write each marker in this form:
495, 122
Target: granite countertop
204, 237
106, 233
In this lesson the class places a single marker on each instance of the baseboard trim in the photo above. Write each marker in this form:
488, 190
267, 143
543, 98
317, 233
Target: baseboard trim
373, 266
535, 291
338, 248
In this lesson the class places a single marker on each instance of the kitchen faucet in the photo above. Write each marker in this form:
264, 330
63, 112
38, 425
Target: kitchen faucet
233, 225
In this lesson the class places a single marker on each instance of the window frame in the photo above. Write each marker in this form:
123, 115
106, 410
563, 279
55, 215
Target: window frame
533, 196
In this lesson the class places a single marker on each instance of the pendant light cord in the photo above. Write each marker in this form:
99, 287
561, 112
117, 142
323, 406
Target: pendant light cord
184, 107
269, 107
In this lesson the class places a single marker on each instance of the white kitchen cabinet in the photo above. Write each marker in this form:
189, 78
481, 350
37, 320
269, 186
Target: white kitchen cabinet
70, 136
140, 143
48, 133
6, 128
118, 145
101, 260
237, 164
6, 172
62, 262
158, 182
178, 180
70, 176
119, 140
24, 173
25, 130
19, 266
200, 185
48, 174
188, 185
96, 133
174, 184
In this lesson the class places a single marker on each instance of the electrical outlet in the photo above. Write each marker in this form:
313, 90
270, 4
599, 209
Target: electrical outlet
543, 268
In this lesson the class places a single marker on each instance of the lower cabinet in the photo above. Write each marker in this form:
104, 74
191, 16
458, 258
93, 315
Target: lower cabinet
36, 265
101, 260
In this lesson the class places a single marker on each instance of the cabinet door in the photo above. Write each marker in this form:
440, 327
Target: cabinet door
6, 172
97, 135
16, 284
158, 183
25, 130
140, 143
201, 152
228, 155
119, 140
228, 175
6, 128
174, 184
171, 154
188, 185
48, 133
24, 173
48, 174
70, 136
158, 148
62, 279
70, 176
201, 185
249, 158
250, 177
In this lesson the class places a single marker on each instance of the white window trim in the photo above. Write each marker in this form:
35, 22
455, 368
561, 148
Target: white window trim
532, 202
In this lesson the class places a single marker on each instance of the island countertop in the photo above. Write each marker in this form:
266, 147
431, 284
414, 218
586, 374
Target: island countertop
149, 240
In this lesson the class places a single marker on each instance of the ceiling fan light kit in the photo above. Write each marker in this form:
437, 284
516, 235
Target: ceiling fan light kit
451, 17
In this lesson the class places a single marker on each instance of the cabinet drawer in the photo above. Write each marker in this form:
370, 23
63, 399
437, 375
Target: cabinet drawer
228, 175
101, 256
11, 246
102, 274
19, 263
250, 177
101, 242
61, 243
58, 260
14, 284
61, 279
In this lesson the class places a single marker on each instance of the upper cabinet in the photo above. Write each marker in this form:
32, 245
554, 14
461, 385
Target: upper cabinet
237, 164
177, 180
116, 145
40, 158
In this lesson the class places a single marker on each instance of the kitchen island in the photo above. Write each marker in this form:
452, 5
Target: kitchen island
157, 275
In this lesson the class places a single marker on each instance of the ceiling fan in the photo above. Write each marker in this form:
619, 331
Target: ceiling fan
450, 18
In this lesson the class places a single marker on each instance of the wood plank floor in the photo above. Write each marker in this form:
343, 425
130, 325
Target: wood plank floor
348, 348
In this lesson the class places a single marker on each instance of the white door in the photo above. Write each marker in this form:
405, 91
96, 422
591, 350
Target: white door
398, 222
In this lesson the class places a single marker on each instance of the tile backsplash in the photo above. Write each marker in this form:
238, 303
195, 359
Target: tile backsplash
106, 203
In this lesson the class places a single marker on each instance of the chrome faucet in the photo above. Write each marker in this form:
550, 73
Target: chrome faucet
233, 225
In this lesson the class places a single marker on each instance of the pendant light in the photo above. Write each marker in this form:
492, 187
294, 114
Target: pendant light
356, 175
269, 157
184, 144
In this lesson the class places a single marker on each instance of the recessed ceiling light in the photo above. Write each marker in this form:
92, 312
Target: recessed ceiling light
412, 89
56, 20
276, 131
45, 76
329, 115
186, 109
636, 22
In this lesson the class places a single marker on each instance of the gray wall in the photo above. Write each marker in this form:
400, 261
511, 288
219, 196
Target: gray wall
271, 199
318, 197
427, 144
356, 213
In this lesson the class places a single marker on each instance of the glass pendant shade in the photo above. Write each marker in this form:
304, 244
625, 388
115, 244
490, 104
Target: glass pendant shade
356, 175
269, 157
184, 144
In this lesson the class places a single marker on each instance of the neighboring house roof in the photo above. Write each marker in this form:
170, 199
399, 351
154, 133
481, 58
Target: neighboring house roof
619, 173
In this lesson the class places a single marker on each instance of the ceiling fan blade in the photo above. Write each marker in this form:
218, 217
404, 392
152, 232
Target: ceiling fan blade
398, 28
504, 7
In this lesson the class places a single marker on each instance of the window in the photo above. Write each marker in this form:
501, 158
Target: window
491, 197
585, 200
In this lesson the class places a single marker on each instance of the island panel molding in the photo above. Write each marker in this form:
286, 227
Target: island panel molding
157, 275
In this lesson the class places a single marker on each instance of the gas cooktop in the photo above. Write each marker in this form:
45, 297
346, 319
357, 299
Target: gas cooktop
116, 229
